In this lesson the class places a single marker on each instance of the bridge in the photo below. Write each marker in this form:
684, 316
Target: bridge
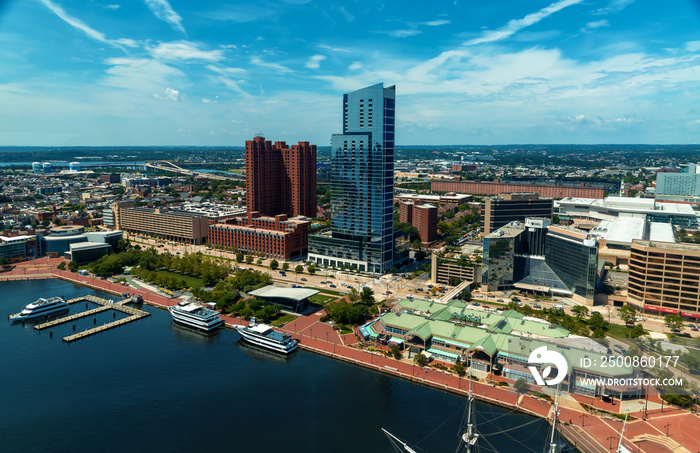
165, 165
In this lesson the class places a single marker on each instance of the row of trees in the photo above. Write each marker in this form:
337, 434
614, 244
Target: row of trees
196, 264
353, 313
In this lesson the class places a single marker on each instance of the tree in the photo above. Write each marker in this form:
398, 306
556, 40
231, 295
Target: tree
580, 311
396, 352
420, 360
638, 331
274, 264
249, 259
239, 257
285, 266
417, 244
367, 296
459, 368
311, 269
691, 362
299, 269
466, 295
521, 386
674, 322
61, 266
627, 313
596, 321
73, 266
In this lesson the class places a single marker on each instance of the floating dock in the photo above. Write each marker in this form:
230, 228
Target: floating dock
105, 305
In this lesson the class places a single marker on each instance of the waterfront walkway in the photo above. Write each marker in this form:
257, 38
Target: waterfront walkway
670, 430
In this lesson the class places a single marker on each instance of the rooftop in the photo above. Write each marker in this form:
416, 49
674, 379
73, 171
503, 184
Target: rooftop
277, 292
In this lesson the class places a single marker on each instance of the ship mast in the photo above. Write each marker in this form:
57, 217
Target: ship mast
470, 436
552, 444
622, 434
399, 441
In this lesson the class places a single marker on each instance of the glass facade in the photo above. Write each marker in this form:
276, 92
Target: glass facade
362, 184
498, 260
574, 261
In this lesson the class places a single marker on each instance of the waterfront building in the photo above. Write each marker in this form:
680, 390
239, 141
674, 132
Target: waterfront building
179, 226
574, 260
507, 207
277, 237
36, 167
362, 185
294, 299
495, 188
280, 179
74, 166
16, 248
59, 240
46, 168
664, 278
499, 343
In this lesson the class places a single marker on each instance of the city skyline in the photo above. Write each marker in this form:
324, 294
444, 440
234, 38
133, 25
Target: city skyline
176, 73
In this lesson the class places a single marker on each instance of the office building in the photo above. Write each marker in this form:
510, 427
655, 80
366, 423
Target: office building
589, 211
111, 178
542, 258
178, 226
362, 185
664, 278
280, 179
495, 188
437, 200
277, 237
501, 210
679, 187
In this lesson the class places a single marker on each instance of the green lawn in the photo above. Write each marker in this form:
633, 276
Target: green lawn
284, 319
321, 299
324, 291
618, 331
193, 282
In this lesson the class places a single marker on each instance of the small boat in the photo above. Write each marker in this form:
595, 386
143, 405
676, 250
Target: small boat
40, 309
266, 337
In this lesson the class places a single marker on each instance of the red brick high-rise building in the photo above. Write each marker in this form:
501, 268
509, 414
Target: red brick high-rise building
280, 179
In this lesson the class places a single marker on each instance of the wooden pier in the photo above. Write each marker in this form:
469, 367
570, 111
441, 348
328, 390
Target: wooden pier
105, 305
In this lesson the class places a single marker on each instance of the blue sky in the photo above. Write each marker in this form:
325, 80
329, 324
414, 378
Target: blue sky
178, 72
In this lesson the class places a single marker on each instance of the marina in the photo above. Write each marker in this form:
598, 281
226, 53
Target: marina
104, 305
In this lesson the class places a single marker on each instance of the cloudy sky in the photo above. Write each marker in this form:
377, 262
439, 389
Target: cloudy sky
180, 72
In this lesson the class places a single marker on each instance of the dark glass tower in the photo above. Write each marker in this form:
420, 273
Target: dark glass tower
362, 185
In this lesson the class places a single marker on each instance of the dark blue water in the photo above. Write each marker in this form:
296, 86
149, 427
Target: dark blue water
153, 386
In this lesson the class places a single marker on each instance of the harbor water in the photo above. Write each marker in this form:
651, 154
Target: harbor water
154, 386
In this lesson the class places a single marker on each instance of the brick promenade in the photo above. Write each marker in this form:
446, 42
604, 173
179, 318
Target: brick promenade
587, 431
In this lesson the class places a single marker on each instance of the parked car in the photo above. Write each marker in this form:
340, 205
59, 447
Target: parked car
420, 289
333, 286
537, 306
500, 300
476, 304
303, 279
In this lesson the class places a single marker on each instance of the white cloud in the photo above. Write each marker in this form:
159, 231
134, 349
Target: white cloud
613, 7
126, 42
140, 74
334, 49
515, 25
170, 94
315, 61
163, 11
112, 7
435, 23
401, 33
594, 25
276, 66
355, 66
692, 46
76, 23
184, 50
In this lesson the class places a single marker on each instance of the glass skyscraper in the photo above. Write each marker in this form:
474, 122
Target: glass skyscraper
362, 185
